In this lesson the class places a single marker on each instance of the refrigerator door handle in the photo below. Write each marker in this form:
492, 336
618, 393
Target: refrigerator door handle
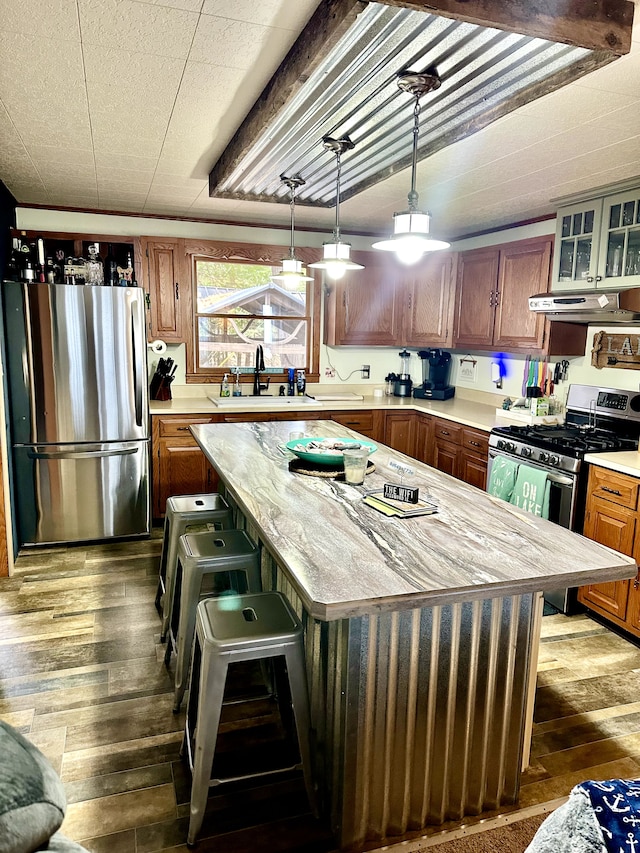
137, 363
82, 454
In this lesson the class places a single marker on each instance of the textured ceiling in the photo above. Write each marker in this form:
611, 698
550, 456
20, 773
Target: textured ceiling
126, 105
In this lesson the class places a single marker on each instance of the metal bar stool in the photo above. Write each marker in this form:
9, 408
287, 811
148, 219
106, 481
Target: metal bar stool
228, 630
200, 555
181, 513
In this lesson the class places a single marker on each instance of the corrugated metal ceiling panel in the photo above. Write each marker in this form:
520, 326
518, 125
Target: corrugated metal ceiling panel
354, 92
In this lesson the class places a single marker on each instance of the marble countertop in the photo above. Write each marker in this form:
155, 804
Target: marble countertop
623, 461
344, 558
465, 411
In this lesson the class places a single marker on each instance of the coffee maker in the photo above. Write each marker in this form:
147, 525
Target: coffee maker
402, 384
436, 366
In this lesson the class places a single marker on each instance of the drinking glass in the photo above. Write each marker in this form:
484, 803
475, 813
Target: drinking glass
355, 465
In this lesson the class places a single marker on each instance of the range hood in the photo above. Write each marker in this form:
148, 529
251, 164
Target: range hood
608, 307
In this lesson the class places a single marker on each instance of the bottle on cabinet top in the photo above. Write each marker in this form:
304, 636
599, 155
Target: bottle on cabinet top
125, 274
110, 268
94, 272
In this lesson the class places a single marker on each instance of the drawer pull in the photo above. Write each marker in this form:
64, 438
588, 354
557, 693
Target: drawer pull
443, 432
474, 443
182, 429
611, 491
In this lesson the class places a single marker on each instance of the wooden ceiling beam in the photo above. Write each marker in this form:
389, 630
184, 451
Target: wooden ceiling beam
326, 27
592, 24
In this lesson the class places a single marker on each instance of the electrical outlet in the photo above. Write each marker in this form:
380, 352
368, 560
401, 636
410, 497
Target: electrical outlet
365, 371
330, 372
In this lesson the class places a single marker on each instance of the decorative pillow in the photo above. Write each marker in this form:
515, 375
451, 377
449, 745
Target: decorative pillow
32, 798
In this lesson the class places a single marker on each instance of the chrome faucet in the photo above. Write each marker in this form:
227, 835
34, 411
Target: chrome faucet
257, 385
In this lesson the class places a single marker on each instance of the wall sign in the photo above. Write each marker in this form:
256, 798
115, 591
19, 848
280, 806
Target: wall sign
615, 351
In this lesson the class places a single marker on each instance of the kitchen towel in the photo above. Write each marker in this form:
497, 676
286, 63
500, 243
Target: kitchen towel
531, 491
503, 477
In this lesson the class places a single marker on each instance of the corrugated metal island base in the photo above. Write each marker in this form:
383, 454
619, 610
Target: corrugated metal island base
420, 632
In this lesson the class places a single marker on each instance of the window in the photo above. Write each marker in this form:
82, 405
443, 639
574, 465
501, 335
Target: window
238, 306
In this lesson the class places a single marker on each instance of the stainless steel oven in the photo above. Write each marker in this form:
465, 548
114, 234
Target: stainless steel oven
563, 491
598, 419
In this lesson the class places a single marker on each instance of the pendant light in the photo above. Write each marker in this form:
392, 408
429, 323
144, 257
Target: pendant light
335, 253
292, 274
411, 227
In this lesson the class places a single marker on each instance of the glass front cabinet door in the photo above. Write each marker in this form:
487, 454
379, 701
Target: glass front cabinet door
575, 263
619, 255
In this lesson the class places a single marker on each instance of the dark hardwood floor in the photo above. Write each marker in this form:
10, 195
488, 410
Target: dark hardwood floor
82, 675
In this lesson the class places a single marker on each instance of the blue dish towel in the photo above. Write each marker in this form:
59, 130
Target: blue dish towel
503, 477
531, 491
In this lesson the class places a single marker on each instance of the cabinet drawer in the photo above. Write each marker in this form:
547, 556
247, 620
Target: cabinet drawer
180, 426
615, 488
475, 441
360, 421
448, 430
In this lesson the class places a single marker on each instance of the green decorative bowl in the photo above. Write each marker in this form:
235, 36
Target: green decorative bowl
318, 450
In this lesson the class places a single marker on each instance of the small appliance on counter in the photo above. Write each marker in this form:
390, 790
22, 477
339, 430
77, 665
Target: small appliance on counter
402, 384
436, 367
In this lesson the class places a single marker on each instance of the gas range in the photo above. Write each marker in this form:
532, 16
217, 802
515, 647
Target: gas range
562, 448
598, 420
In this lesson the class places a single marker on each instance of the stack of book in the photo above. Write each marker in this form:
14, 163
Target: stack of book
402, 509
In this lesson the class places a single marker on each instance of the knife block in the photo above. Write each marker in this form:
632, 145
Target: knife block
160, 387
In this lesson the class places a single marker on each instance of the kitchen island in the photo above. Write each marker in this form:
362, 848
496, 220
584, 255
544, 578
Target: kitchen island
420, 633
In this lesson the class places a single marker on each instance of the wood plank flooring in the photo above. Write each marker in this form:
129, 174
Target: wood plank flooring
82, 675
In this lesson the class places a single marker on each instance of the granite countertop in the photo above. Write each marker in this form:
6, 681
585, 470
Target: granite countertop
344, 558
459, 409
623, 461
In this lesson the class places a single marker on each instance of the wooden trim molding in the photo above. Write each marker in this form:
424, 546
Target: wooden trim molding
593, 24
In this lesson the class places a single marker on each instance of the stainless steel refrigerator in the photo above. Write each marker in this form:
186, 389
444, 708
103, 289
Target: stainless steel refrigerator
79, 412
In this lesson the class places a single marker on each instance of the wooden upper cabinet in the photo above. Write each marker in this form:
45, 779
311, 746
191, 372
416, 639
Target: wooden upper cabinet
166, 288
386, 304
523, 266
425, 296
492, 301
360, 309
475, 298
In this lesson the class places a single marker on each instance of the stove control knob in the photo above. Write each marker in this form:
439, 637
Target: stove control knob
526, 451
553, 459
543, 457
509, 446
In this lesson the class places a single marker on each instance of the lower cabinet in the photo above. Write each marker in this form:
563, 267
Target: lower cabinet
473, 458
611, 518
179, 465
461, 452
424, 438
400, 432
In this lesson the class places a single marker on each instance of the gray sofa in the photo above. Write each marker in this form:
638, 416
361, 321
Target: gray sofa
32, 799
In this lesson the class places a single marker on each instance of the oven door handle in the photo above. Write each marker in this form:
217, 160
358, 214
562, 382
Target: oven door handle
560, 479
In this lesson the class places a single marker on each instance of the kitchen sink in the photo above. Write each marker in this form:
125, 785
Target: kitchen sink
265, 401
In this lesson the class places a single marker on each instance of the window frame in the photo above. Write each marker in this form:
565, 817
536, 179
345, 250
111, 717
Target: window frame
247, 253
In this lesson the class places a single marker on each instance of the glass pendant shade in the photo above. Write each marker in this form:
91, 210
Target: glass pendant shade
336, 260
293, 273
411, 238
336, 254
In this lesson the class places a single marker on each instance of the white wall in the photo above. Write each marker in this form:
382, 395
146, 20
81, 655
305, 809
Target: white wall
344, 359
